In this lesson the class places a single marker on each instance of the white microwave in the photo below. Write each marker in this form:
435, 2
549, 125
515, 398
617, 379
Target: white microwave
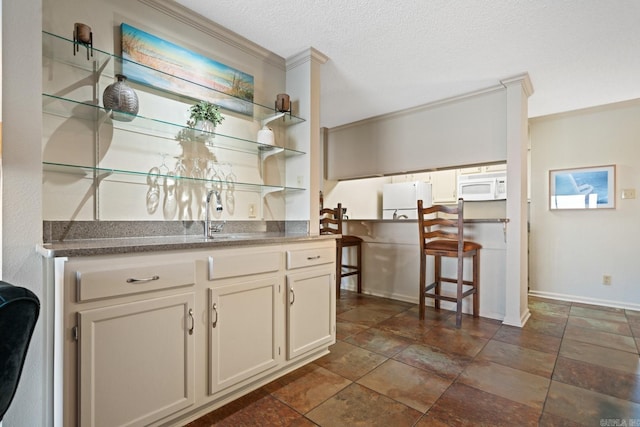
483, 186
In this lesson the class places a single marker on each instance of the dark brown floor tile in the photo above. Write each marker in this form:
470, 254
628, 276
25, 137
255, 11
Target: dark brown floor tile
433, 314
476, 326
256, 408
380, 341
414, 387
363, 316
544, 327
621, 328
551, 306
510, 383
632, 314
597, 307
524, 359
551, 420
587, 407
408, 325
306, 387
604, 339
357, 405
350, 361
456, 341
346, 329
549, 301
598, 378
542, 310
433, 359
596, 313
528, 339
462, 405
601, 356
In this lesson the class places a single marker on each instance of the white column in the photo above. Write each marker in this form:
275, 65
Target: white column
303, 85
519, 89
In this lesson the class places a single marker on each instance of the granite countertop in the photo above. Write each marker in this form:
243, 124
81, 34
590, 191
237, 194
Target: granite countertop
467, 221
108, 246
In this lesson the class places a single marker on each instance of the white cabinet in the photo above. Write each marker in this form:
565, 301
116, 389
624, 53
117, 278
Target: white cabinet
128, 318
244, 315
149, 339
311, 299
443, 186
122, 350
310, 311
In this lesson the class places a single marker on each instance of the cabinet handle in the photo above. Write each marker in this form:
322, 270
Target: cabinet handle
193, 321
214, 310
293, 296
311, 258
147, 279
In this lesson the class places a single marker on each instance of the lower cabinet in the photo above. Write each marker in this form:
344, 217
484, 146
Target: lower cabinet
136, 361
243, 339
310, 310
158, 339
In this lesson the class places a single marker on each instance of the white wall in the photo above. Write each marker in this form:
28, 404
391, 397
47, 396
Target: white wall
21, 193
572, 250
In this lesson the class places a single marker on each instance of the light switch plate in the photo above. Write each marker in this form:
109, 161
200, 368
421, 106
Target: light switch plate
629, 193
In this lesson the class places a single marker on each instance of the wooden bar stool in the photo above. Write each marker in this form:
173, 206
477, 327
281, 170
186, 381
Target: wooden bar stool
331, 223
445, 237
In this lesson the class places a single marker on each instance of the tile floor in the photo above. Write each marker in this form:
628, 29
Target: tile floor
572, 364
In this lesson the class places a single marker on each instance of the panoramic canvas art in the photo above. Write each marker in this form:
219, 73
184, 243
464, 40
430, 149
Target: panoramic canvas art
154, 62
583, 188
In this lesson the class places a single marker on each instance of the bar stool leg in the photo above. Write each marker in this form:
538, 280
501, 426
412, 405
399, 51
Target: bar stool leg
338, 270
359, 261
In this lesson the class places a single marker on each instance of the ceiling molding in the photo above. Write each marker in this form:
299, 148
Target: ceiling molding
490, 89
307, 55
522, 79
210, 28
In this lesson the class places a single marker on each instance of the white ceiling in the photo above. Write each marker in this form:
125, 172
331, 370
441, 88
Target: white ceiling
388, 55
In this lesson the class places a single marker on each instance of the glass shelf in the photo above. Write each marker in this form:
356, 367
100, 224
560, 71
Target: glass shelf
67, 108
143, 177
62, 50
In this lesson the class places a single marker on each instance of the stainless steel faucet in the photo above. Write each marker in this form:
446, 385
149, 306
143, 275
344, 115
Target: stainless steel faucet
209, 228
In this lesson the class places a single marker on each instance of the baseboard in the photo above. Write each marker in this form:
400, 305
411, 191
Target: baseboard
585, 300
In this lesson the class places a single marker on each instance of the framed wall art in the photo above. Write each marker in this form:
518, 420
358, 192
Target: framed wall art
583, 188
183, 71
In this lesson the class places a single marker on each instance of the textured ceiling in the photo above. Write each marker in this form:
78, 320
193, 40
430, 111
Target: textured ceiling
387, 55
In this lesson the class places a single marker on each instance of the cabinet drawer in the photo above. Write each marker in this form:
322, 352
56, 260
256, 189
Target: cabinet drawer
111, 282
221, 266
309, 257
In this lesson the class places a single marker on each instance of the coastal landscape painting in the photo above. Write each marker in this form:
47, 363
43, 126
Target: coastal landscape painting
152, 61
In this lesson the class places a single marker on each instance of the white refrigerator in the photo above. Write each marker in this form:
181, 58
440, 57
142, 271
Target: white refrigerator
400, 200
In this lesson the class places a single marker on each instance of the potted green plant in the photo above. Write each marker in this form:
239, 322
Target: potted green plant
204, 116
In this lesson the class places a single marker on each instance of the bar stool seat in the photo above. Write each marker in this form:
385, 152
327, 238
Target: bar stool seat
331, 223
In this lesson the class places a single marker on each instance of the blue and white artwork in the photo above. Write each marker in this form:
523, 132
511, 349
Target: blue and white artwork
587, 188
154, 62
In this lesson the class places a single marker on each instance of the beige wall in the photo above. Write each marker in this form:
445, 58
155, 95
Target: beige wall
570, 251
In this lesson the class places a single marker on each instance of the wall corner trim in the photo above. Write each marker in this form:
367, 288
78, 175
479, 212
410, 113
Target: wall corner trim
522, 79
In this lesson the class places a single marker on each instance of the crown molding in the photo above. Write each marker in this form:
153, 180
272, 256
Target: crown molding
210, 28
306, 55
522, 79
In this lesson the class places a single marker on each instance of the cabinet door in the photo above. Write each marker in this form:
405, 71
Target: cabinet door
243, 340
136, 361
310, 310
443, 185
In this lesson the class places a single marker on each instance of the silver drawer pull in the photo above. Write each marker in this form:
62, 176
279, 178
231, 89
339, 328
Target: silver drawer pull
214, 310
148, 279
311, 258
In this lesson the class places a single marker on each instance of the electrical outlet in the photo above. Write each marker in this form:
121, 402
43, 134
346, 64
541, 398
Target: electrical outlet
606, 280
252, 210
